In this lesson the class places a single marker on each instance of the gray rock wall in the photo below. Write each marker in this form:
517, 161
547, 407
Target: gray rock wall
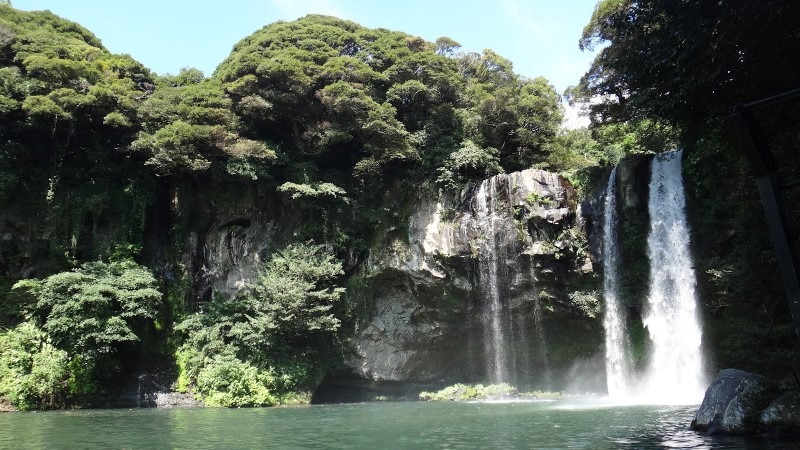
426, 295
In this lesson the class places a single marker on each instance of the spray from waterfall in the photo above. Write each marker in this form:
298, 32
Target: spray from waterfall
676, 371
617, 348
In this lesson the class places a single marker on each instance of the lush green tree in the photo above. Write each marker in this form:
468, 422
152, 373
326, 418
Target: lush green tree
59, 81
316, 85
446, 46
515, 115
688, 62
470, 162
92, 312
188, 124
34, 374
271, 340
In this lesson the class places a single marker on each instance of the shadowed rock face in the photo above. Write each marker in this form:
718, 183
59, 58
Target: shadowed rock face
739, 402
422, 318
426, 289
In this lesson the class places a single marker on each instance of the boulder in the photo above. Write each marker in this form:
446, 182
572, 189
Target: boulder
736, 403
782, 416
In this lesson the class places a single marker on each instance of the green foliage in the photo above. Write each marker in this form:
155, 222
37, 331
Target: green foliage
470, 162
294, 295
327, 88
318, 190
575, 150
93, 311
688, 64
587, 302
463, 392
270, 342
536, 199
515, 115
228, 382
188, 125
33, 372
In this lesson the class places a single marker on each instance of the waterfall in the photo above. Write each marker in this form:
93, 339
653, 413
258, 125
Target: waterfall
541, 340
494, 333
513, 339
676, 371
617, 352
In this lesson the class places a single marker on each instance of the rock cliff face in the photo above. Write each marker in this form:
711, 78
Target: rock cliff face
424, 291
428, 289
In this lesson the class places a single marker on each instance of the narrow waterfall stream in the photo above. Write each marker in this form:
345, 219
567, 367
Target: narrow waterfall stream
511, 314
676, 371
494, 333
543, 359
617, 348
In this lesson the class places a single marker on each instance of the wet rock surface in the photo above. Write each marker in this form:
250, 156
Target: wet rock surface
426, 289
741, 403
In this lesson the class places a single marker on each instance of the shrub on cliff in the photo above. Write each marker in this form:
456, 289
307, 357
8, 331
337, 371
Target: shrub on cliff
80, 321
462, 392
33, 373
273, 339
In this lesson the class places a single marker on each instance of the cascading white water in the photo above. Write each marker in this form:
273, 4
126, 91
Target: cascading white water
494, 339
617, 349
541, 338
676, 371
514, 348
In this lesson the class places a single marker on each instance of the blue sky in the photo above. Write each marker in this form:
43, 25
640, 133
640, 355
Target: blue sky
539, 36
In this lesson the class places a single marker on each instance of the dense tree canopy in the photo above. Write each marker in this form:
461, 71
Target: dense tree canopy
690, 60
334, 92
78, 323
60, 90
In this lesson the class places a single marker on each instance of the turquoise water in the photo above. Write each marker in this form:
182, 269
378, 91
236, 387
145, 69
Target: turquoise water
390, 425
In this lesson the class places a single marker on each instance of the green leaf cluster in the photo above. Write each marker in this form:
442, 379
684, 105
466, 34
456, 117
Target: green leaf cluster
271, 340
78, 323
470, 162
464, 392
33, 373
688, 63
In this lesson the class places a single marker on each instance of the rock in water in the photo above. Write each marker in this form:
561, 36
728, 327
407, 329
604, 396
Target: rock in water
783, 414
734, 403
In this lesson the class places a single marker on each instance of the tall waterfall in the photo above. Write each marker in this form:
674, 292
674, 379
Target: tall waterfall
617, 349
676, 371
541, 339
514, 346
493, 315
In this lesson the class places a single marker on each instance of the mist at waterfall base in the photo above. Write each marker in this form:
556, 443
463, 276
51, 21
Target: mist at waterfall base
675, 373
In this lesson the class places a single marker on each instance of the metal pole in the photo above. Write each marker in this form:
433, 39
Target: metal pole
778, 219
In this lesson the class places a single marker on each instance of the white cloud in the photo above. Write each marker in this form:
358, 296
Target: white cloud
292, 9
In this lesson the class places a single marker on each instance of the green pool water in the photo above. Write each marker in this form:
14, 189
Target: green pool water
379, 425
